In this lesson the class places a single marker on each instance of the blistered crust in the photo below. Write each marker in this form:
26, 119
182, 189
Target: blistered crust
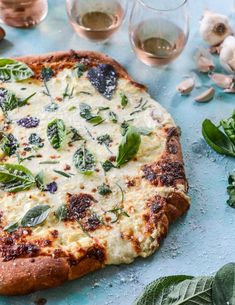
61, 60
26, 275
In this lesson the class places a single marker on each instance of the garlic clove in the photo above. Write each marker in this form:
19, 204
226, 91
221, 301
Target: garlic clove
229, 90
227, 54
204, 61
214, 28
206, 96
186, 86
222, 80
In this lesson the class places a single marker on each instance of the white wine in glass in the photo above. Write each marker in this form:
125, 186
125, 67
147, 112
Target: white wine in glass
158, 35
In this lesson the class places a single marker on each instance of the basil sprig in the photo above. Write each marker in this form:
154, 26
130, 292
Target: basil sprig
217, 140
33, 217
129, 146
12, 70
15, 178
8, 144
9, 101
56, 133
86, 113
84, 161
184, 289
231, 190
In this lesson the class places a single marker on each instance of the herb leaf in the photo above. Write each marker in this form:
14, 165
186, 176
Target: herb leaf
64, 174
56, 133
113, 117
104, 189
12, 227
129, 146
9, 144
12, 70
229, 128
177, 290
216, 139
86, 113
35, 216
124, 100
9, 101
231, 190
118, 212
46, 73
15, 178
39, 179
107, 166
223, 288
80, 69
84, 161
61, 213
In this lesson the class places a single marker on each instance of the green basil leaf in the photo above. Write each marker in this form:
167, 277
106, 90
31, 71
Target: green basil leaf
80, 69
15, 178
216, 139
12, 227
107, 166
124, 100
156, 292
229, 128
61, 213
35, 216
113, 117
231, 190
56, 133
9, 144
12, 70
104, 189
46, 73
129, 146
39, 179
223, 288
9, 101
86, 113
96, 120
84, 161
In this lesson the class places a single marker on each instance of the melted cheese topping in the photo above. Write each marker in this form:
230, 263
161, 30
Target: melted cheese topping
71, 238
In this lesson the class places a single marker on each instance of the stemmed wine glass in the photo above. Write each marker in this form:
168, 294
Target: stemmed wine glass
96, 20
159, 30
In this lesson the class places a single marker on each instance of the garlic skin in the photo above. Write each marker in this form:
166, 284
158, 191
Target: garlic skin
227, 54
214, 28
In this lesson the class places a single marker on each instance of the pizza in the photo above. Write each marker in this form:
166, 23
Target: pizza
91, 169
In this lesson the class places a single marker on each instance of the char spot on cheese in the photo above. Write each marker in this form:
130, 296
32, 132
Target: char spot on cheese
78, 205
164, 173
97, 253
92, 223
12, 250
104, 79
156, 203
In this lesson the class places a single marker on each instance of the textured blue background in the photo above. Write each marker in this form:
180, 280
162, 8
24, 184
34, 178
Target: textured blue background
204, 239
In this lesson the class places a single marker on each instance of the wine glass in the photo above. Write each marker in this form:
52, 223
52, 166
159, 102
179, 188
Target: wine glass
159, 30
96, 20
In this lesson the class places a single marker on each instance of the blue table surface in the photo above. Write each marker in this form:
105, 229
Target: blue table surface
204, 239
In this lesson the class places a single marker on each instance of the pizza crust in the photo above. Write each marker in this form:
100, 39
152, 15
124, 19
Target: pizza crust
25, 275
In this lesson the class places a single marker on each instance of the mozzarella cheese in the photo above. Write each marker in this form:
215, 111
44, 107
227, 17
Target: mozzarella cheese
71, 238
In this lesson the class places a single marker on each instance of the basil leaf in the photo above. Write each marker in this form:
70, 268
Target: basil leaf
86, 113
61, 213
216, 139
104, 139
39, 179
229, 128
35, 216
129, 146
12, 227
107, 166
46, 73
124, 100
80, 69
84, 161
12, 70
9, 101
56, 133
104, 189
223, 288
15, 178
113, 117
156, 292
9, 144
231, 190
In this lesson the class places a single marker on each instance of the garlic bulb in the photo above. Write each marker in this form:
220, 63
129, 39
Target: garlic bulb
227, 54
214, 28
